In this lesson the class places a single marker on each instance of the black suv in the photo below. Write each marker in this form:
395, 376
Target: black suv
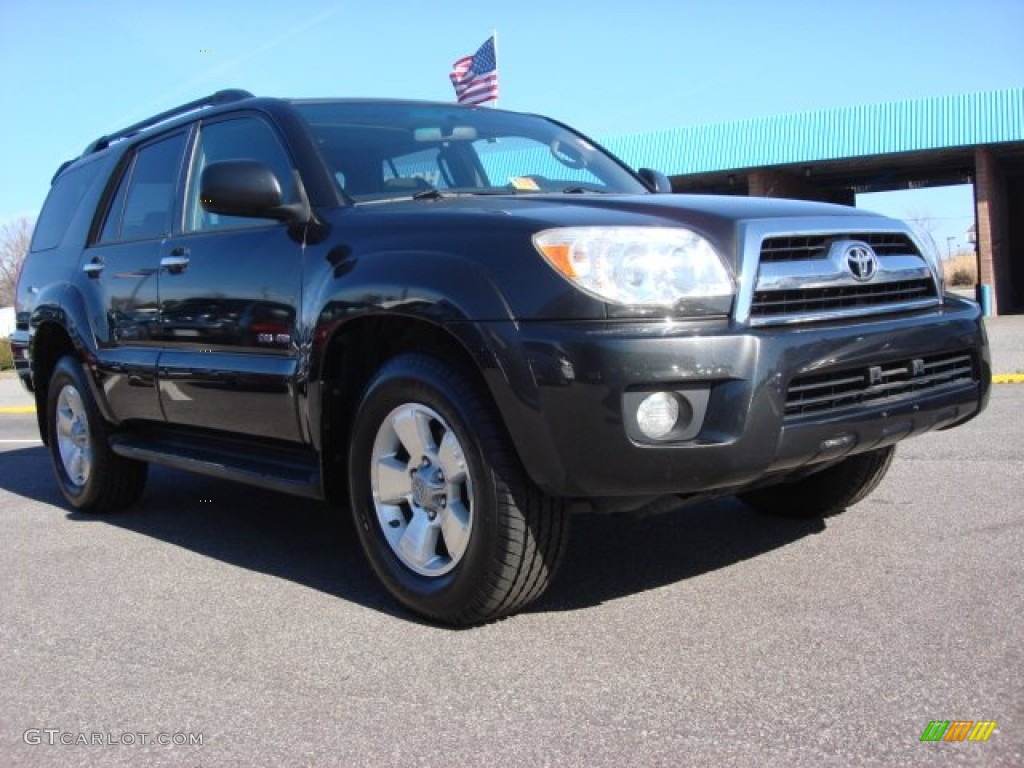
464, 323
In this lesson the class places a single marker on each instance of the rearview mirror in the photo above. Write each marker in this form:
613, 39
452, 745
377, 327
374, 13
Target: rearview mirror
448, 132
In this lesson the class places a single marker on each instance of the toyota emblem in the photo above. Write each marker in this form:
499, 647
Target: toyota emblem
861, 261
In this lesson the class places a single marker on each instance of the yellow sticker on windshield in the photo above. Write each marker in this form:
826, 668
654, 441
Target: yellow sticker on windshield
524, 184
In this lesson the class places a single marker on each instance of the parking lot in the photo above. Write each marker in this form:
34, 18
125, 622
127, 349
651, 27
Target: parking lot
708, 636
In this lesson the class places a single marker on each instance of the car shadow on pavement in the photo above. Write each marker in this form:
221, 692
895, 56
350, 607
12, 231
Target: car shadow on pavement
301, 540
611, 557
314, 544
28, 473
304, 541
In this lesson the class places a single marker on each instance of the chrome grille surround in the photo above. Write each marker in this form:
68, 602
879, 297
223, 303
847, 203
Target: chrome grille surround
797, 274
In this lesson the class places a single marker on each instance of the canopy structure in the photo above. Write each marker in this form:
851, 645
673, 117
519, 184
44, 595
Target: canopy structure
834, 154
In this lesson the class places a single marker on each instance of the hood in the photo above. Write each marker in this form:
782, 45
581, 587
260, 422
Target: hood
574, 209
713, 216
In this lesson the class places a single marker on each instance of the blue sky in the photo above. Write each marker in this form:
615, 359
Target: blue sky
72, 70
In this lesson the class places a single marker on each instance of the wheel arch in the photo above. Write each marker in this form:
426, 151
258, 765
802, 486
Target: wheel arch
59, 326
351, 357
50, 343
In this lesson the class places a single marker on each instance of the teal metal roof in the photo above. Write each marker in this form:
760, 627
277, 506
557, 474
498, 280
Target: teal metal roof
990, 117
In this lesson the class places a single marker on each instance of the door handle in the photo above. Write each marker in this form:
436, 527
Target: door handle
176, 262
93, 268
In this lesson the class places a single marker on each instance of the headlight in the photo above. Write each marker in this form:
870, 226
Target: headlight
645, 266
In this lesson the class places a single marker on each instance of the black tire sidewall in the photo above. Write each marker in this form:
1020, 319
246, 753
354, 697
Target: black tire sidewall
425, 381
828, 492
68, 371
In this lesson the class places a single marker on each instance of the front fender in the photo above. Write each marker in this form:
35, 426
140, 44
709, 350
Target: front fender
438, 288
450, 294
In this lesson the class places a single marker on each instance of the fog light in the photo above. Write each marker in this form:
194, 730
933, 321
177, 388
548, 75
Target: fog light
657, 414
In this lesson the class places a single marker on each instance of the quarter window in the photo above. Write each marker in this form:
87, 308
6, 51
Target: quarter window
68, 190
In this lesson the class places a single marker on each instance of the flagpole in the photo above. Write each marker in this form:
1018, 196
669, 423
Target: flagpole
497, 70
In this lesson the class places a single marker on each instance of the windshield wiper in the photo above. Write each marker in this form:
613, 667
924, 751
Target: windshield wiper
436, 194
578, 190
428, 194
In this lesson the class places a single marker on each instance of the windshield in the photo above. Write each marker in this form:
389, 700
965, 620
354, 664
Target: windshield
381, 151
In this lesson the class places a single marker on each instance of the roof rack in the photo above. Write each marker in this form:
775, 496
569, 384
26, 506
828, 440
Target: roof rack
220, 97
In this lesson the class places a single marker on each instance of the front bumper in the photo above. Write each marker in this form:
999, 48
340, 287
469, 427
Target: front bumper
20, 353
561, 387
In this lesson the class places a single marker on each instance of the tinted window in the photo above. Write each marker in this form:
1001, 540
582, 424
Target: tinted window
408, 170
112, 224
150, 201
385, 150
61, 204
144, 203
246, 138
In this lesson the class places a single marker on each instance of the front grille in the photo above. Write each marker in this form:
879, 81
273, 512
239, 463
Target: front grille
809, 247
825, 392
807, 278
840, 297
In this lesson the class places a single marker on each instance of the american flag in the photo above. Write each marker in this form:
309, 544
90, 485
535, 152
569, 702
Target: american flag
476, 77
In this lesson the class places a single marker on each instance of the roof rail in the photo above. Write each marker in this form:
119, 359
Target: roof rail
220, 97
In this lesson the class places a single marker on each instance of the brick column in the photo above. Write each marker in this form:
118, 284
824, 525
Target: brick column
990, 210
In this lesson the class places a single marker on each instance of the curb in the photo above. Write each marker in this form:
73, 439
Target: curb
1008, 378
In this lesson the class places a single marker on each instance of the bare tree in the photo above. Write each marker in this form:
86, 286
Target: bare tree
924, 226
14, 239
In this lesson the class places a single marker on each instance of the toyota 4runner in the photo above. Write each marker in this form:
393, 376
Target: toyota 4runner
463, 324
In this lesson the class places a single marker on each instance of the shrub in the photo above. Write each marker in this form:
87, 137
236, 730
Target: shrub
960, 270
6, 358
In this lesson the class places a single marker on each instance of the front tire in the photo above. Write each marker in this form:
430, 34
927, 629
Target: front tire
825, 493
444, 511
91, 476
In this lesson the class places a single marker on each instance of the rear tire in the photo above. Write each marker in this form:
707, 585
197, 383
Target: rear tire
825, 493
91, 476
447, 517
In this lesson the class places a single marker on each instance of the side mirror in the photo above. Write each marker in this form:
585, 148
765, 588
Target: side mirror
246, 188
656, 181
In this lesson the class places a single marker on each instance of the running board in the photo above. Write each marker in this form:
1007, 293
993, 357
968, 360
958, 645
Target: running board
285, 469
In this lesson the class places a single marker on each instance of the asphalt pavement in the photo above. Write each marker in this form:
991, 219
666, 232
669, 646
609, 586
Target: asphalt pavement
1006, 338
710, 635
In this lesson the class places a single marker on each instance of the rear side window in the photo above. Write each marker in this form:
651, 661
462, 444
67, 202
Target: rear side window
65, 196
143, 205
